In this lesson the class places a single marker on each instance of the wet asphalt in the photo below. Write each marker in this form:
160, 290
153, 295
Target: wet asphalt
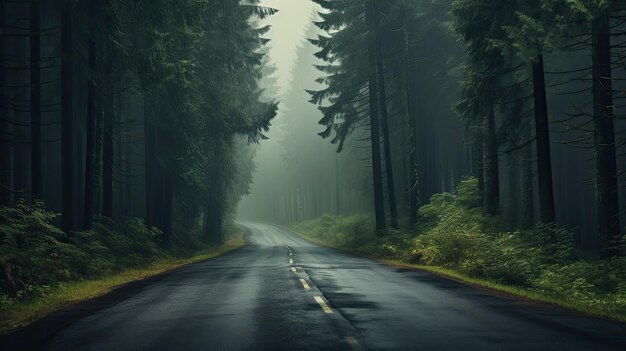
280, 292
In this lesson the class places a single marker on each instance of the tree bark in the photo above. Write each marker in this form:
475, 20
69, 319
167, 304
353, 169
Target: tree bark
149, 160
168, 198
5, 145
490, 165
379, 206
527, 185
90, 157
478, 163
67, 121
512, 190
380, 64
21, 152
607, 198
107, 153
542, 136
35, 99
409, 72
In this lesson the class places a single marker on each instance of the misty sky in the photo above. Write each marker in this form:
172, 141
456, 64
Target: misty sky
288, 31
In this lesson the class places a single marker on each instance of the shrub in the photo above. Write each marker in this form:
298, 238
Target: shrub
36, 255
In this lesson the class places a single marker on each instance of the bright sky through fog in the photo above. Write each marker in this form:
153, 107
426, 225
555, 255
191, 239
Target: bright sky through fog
288, 30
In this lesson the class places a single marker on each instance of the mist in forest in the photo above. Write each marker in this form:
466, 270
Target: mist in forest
299, 175
251, 174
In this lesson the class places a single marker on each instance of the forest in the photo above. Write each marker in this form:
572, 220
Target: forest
126, 132
484, 139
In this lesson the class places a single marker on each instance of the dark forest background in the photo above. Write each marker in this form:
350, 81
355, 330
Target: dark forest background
119, 109
482, 136
527, 97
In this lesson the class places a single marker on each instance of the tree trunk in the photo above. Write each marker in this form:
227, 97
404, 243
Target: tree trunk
21, 152
90, 157
35, 99
542, 135
380, 64
607, 198
67, 121
490, 165
168, 198
337, 187
149, 160
409, 73
478, 169
379, 205
527, 185
512, 190
5, 145
107, 153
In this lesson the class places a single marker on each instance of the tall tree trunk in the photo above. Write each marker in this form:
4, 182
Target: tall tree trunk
21, 152
542, 136
101, 103
5, 145
382, 90
107, 153
607, 198
168, 198
90, 157
527, 184
337, 187
67, 121
490, 165
512, 190
149, 160
128, 186
377, 176
35, 99
409, 73
478, 169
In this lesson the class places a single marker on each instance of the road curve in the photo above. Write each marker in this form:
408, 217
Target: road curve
280, 292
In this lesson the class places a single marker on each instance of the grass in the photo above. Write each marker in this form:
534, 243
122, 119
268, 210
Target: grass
525, 294
66, 294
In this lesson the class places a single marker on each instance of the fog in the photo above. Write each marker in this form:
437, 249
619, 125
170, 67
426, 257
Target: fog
294, 155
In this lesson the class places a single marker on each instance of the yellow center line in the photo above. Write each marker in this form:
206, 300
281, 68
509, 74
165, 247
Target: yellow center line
293, 269
323, 305
304, 284
290, 261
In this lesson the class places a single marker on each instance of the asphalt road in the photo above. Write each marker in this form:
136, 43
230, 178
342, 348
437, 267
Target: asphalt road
280, 292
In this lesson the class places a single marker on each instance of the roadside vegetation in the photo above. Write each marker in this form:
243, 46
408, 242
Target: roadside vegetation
454, 237
42, 269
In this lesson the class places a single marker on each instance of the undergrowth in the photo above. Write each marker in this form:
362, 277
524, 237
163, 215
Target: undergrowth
37, 258
453, 233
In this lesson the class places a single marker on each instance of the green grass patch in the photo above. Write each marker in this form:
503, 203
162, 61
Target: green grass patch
454, 239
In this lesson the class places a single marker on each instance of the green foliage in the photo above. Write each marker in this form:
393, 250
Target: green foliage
453, 233
35, 255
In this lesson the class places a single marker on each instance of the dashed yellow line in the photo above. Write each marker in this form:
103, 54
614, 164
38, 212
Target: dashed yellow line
305, 284
293, 269
323, 305
353, 342
290, 261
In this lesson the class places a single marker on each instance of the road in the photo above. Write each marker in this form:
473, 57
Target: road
280, 292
